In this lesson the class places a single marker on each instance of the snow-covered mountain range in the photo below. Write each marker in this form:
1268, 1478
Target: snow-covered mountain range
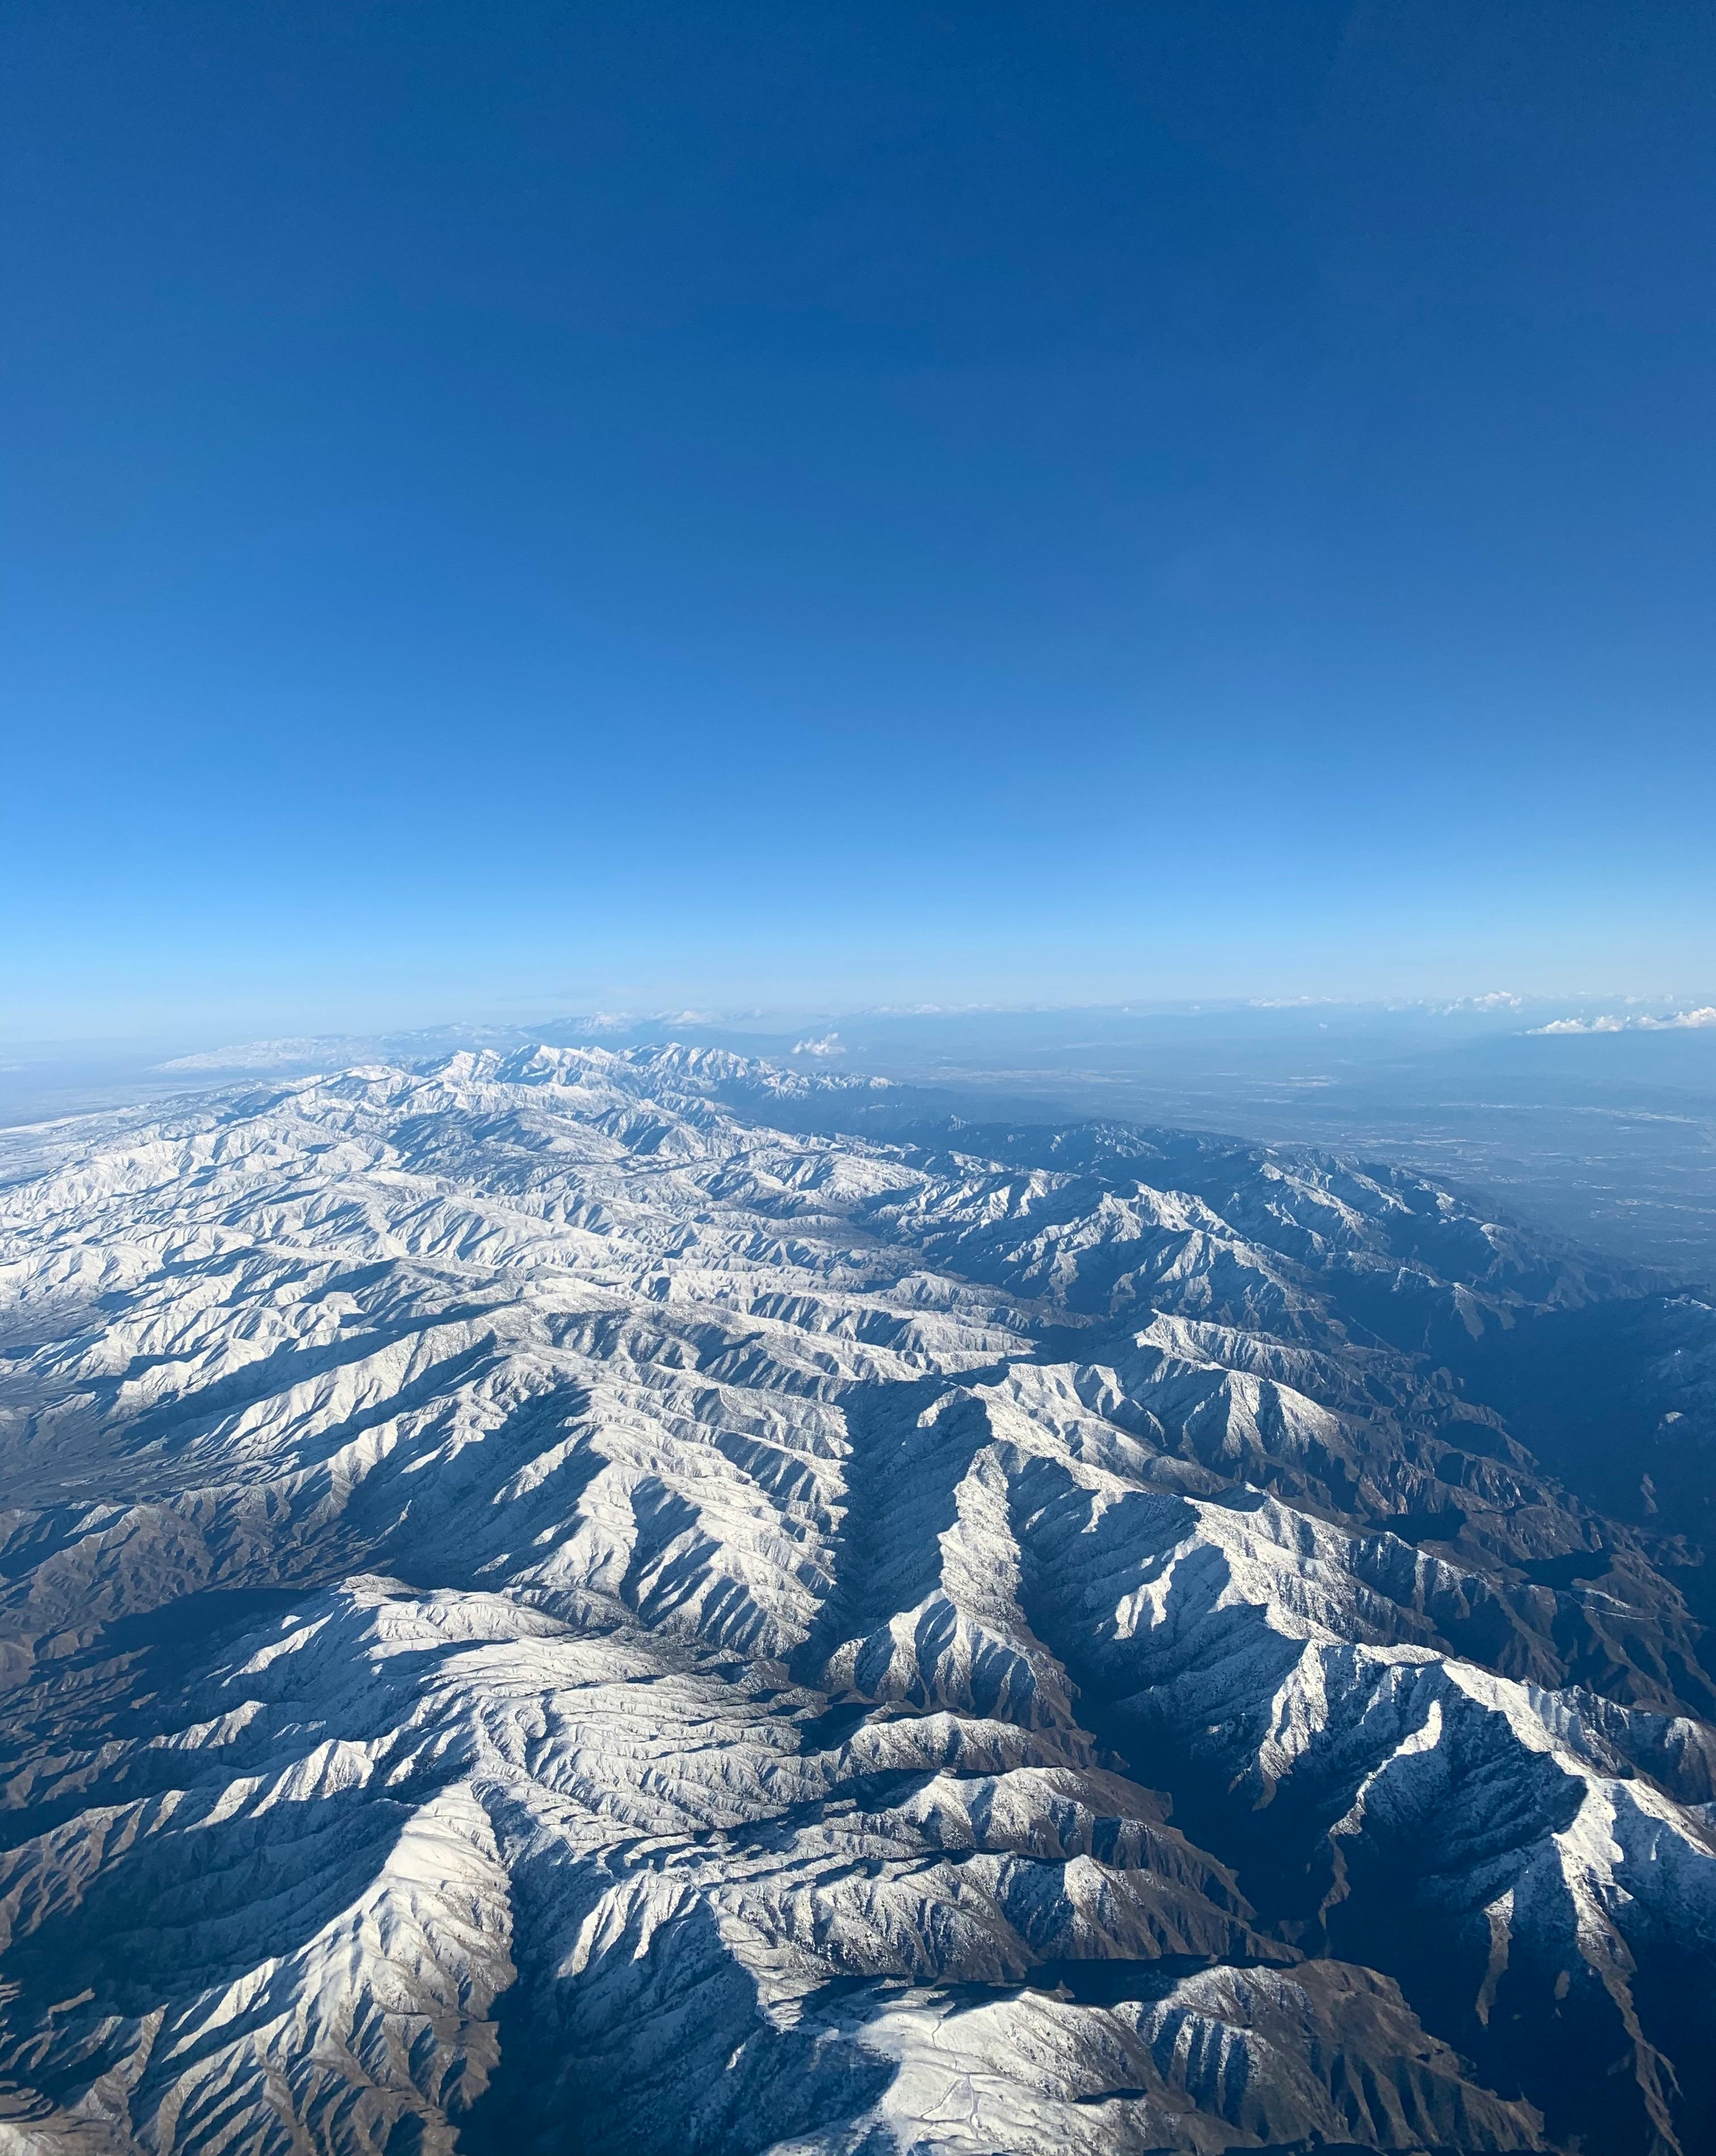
567, 1602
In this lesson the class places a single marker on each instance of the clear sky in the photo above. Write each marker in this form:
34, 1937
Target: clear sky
555, 504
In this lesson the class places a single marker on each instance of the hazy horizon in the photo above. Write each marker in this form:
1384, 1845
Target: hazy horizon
1596, 1119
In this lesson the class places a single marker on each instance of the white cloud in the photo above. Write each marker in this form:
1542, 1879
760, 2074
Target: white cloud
1611, 1022
829, 1044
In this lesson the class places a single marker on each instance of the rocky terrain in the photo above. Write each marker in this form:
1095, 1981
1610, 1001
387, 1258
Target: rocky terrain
589, 1602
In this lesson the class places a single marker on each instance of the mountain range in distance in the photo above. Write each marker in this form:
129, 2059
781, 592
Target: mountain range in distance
588, 1599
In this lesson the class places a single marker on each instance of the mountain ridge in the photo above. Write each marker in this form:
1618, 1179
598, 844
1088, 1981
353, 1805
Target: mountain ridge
544, 1609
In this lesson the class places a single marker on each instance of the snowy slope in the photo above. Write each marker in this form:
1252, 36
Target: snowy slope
541, 1609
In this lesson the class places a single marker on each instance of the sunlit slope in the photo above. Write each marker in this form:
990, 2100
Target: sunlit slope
543, 1611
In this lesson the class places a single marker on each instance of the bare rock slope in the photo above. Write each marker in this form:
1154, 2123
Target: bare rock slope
547, 1610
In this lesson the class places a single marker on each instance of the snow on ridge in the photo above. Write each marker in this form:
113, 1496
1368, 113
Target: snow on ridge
523, 1553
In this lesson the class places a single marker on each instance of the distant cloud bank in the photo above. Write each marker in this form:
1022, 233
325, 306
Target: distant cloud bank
1612, 1022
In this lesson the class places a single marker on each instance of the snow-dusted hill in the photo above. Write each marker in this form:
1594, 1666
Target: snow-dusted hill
545, 1609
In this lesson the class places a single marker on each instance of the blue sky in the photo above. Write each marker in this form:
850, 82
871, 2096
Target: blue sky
544, 506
